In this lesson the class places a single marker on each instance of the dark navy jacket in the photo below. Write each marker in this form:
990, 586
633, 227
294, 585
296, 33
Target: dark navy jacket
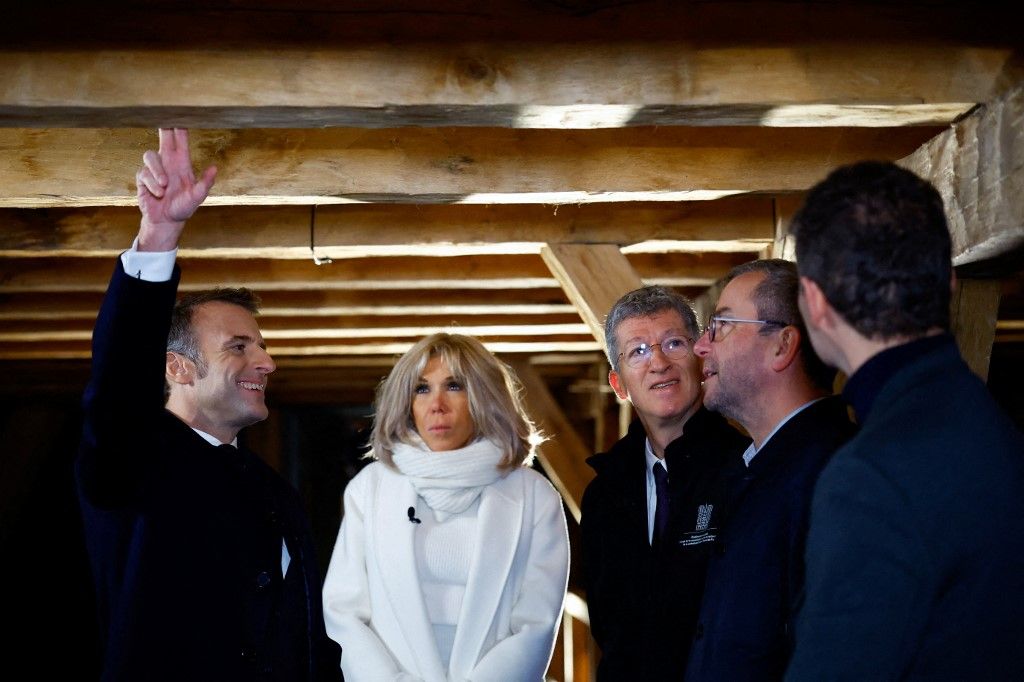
185, 538
915, 555
756, 571
643, 601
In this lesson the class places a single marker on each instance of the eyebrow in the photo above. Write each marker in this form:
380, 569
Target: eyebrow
247, 339
447, 378
677, 331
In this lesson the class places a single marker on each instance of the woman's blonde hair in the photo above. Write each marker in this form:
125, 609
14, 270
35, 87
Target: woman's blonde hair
494, 393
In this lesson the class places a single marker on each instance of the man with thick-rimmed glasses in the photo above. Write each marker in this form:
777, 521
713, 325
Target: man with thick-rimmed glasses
651, 516
760, 371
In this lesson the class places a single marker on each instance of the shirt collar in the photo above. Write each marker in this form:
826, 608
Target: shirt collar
752, 450
212, 440
652, 459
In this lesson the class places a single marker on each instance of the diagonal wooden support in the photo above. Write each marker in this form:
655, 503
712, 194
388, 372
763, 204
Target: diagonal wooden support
564, 455
593, 276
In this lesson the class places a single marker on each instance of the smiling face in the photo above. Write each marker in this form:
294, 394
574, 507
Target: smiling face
663, 389
735, 364
440, 408
230, 393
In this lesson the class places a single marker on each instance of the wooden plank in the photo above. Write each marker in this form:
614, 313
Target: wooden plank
564, 455
321, 303
559, 85
354, 230
79, 350
593, 277
80, 167
978, 168
485, 273
973, 316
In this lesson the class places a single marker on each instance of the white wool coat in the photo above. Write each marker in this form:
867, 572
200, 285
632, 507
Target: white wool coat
374, 607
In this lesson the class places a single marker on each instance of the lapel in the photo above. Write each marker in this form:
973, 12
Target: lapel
396, 560
499, 522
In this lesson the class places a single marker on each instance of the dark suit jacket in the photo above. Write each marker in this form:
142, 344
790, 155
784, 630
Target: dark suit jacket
185, 538
757, 569
915, 555
643, 601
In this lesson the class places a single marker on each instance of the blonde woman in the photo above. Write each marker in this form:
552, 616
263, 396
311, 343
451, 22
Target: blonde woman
453, 555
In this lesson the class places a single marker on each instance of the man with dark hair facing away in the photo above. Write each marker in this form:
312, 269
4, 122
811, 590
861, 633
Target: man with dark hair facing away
651, 515
202, 556
761, 372
915, 554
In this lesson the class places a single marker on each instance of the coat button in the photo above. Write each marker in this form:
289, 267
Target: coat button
699, 632
262, 580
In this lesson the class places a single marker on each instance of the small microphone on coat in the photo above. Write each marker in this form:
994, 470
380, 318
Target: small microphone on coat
412, 515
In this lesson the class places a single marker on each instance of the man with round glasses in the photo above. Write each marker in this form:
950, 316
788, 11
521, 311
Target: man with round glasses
651, 516
760, 371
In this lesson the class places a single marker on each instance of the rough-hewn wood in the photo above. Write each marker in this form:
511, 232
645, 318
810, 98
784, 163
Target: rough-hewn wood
978, 167
564, 455
80, 167
349, 231
368, 275
974, 310
517, 85
593, 277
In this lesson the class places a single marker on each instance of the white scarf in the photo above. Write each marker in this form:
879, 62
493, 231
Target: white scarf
449, 481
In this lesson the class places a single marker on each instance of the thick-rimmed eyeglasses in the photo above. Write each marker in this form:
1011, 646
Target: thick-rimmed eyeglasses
716, 322
674, 348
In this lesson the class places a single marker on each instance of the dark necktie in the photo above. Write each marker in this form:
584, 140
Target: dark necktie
661, 508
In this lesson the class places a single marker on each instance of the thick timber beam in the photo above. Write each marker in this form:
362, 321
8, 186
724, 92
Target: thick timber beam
89, 167
978, 168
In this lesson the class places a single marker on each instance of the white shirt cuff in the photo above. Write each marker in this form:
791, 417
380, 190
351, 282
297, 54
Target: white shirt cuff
149, 266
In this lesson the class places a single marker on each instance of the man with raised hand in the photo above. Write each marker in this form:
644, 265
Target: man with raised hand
915, 555
202, 556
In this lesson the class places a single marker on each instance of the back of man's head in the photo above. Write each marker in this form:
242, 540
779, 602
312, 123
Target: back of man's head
874, 238
645, 302
775, 298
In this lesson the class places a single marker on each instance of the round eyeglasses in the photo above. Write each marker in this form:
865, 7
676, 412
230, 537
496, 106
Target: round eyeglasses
716, 321
674, 348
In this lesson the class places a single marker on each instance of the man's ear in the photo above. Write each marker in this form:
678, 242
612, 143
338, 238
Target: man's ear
616, 384
816, 305
179, 369
786, 348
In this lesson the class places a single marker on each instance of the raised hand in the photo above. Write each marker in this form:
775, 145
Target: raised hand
168, 191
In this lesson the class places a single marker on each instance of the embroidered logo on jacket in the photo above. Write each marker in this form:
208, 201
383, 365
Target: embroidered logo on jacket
702, 532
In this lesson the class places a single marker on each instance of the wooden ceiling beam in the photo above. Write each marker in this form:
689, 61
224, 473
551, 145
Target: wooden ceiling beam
369, 275
470, 303
354, 230
79, 350
978, 168
553, 85
83, 167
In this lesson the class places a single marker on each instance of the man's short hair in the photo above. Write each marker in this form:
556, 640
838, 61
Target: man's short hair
874, 237
181, 338
775, 298
646, 302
